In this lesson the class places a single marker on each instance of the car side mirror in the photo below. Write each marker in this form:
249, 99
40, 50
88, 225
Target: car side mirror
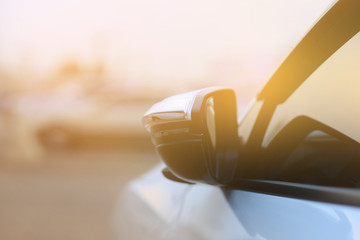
195, 134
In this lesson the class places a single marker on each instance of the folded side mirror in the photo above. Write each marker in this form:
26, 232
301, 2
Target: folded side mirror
196, 135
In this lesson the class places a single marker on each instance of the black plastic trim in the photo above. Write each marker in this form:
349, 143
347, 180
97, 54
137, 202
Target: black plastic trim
338, 195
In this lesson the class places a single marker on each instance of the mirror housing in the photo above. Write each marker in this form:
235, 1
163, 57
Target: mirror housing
195, 134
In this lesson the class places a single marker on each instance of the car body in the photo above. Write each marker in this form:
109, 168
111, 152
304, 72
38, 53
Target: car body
297, 174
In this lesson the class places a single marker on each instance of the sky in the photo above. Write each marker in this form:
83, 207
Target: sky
159, 39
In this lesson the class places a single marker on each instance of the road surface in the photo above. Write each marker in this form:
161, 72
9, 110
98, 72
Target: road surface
67, 194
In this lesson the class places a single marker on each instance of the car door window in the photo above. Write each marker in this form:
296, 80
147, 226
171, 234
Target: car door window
313, 136
330, 95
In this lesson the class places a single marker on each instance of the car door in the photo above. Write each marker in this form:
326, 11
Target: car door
302, 164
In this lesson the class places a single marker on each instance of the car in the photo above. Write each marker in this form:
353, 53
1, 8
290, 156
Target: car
288, 169
94, 127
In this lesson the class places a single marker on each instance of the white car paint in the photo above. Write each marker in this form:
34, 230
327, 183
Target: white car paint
153, 207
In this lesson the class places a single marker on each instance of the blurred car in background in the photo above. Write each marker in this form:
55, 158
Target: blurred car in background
72, 119
289, 170
95, 127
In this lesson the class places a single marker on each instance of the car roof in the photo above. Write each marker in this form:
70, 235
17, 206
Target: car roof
335, 28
